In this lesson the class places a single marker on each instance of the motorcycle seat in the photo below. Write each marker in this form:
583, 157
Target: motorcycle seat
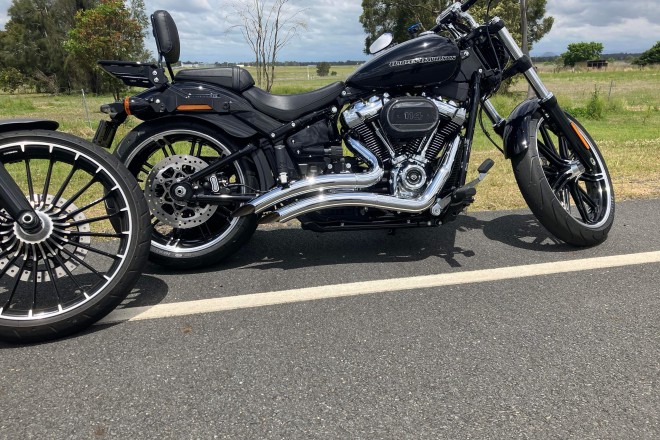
290, 107
234, 78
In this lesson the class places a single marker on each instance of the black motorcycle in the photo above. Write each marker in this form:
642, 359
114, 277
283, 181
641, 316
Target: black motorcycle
389, 148
74, 232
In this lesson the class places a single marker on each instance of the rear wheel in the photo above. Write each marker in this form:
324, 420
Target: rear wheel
186, 235
86, 259
573, 200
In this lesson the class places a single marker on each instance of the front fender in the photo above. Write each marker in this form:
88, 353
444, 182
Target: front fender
516, 133
27, 124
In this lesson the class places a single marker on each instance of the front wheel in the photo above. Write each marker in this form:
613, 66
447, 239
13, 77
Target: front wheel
572, 200
86, 258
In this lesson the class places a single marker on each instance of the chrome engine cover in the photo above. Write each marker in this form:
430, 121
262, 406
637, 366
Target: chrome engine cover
408, 179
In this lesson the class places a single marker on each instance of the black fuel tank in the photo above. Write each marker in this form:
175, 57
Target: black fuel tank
427, 60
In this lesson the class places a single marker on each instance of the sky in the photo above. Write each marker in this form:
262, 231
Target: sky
335, 34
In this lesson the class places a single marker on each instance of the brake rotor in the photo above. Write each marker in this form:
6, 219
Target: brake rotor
51, 240
167, 172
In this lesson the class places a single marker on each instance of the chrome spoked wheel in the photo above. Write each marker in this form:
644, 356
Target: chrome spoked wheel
78, 253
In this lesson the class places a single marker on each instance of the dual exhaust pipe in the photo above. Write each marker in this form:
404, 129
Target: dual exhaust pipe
349, 197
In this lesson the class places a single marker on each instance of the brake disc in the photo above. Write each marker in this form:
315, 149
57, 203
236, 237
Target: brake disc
167, 172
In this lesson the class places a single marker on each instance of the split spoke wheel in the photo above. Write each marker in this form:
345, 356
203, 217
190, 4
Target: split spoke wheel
186, 234
574, 200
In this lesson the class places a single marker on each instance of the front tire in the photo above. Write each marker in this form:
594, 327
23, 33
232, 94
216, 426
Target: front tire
79, 267
574, 205
207, 234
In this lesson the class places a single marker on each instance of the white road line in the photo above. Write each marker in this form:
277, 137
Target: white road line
373, 287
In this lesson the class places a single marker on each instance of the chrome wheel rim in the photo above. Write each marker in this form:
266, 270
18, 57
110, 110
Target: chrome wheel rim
585, 196
79, 252
156, 150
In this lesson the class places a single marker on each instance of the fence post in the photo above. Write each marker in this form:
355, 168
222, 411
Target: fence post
86, 109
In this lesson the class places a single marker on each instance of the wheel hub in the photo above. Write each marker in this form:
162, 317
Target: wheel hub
50, 240
164, 178
39, 236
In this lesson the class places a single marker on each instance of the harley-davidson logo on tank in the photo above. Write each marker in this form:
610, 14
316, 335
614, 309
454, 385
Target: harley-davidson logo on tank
423, 60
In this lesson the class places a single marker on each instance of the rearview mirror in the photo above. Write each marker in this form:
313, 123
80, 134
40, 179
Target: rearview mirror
381, 43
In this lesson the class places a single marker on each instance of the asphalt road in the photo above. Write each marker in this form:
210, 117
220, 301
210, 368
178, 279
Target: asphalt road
566, 355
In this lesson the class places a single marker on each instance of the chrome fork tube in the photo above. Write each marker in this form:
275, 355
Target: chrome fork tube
516, 53
492, 113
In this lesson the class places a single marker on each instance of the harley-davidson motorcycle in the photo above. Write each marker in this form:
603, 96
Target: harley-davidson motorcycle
74, 232
389, 148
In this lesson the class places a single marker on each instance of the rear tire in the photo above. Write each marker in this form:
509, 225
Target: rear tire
80, 269
218, 236
578, 210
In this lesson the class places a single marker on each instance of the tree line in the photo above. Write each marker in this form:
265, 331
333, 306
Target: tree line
53, 45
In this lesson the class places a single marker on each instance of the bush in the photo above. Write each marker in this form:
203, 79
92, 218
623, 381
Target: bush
11, 79
651, 56
595, 106
323, 69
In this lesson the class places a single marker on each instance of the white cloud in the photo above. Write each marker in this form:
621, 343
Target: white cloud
335, 33
621, 26
3, 14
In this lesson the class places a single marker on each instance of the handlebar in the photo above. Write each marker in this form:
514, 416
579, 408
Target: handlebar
454, 11
468, 4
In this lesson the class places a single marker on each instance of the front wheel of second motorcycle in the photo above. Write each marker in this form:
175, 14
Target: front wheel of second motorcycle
572, 200
185, 235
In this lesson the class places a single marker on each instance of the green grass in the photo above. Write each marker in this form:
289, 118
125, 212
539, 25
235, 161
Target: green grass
628, 133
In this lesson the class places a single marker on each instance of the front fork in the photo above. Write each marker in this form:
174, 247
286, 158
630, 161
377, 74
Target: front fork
17, 206
547, 101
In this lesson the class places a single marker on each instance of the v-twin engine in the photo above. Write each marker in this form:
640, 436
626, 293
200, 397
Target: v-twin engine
411, 141
409, 132
409, 125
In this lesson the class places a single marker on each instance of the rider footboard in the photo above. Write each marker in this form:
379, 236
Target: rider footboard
135, 74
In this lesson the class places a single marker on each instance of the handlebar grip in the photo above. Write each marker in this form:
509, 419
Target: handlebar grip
467, 5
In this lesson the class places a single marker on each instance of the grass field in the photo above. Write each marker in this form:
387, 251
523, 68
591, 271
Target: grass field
628, 131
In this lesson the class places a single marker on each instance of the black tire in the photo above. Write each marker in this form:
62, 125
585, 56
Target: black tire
225, 235
579, 209
69, 292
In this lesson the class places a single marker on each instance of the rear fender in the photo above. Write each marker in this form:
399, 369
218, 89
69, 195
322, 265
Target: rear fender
233, 127
516, 131
27, 124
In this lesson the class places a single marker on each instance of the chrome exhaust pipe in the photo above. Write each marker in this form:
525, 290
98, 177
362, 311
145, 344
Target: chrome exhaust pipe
363, 199
328, 181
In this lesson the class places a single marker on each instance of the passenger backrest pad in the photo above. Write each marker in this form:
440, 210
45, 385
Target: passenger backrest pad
167, 36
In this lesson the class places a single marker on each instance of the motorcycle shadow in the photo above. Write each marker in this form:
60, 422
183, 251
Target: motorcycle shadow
148, 291
293, 248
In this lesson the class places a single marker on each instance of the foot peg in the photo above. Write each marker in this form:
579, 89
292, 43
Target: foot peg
454, 203
483, 172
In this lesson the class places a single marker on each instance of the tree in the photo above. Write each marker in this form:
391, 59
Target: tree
138, 13
651, 56
323, 69
396, 16
267, 26
33, 36
106, 32
582, 52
